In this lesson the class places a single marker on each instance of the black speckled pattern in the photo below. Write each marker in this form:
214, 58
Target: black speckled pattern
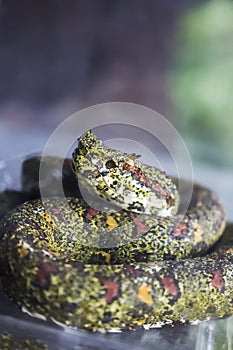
117, 270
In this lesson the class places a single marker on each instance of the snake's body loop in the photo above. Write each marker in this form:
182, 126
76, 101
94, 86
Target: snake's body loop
139, 263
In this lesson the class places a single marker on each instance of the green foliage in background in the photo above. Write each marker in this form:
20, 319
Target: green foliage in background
202, 84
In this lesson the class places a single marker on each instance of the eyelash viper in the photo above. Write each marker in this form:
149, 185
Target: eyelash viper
128, 261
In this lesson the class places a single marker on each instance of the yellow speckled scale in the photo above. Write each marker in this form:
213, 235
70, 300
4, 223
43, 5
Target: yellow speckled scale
137, 262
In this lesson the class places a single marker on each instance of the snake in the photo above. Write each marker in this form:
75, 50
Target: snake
124, 255
9, 342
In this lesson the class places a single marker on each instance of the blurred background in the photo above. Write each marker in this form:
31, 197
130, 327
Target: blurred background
58, 57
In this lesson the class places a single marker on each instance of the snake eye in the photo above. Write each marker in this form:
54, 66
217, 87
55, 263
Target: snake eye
110, 164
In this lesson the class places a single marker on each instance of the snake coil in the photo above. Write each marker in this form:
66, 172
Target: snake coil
134, 261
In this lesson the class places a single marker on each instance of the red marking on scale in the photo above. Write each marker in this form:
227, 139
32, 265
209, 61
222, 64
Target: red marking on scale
130, 269
137, 172
180, 230
139, 175
169, 285
140, 226
44, 273
91, 212
219, 222
42, 234
112, 290
133, 271
159, 189
30, 222
217, 281
56, 211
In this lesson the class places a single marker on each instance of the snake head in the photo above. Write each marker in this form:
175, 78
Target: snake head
94, 155
120, 178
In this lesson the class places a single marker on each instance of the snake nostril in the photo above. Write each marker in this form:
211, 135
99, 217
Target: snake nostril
110, 164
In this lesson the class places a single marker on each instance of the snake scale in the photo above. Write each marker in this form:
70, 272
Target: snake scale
129, 260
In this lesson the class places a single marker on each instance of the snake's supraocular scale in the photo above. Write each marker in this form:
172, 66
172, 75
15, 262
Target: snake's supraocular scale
142, 265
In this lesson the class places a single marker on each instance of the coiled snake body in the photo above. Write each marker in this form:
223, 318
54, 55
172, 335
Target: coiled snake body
135, 263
